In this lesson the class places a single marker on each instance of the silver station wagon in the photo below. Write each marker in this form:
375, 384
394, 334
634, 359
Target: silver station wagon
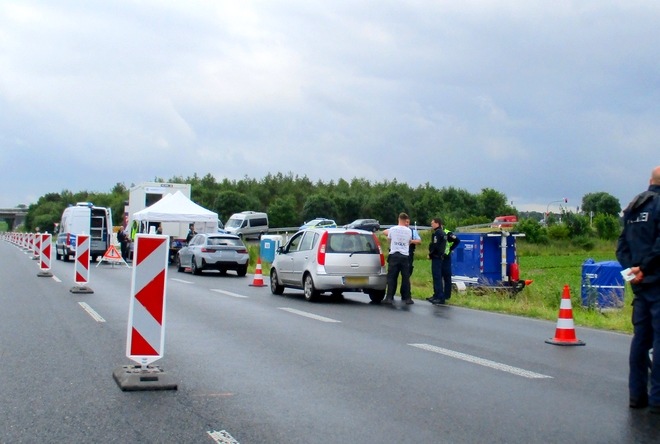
334, 260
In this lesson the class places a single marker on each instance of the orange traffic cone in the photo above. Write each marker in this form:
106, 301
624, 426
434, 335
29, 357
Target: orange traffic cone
258, 280
565, 332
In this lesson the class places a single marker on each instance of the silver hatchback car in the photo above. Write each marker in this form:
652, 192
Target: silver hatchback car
334, 260
219, 251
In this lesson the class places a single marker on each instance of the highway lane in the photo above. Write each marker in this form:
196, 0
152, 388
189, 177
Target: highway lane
279, 369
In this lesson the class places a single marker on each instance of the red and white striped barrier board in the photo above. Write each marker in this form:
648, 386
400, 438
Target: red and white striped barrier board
44, 255
36, 245
146, 315
81, 267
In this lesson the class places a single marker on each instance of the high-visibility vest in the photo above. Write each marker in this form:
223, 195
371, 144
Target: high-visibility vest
449, 244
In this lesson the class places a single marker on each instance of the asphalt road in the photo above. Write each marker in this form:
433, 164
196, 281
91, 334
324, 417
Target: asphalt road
277, 369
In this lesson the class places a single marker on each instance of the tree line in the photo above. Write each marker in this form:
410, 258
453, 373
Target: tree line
291, 200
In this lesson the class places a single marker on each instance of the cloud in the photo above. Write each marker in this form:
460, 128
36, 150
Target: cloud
540, 100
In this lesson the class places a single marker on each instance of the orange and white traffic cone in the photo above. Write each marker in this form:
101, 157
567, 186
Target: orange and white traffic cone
565, 332
258, 280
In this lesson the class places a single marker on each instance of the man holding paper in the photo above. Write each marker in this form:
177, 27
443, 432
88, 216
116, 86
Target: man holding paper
638, 251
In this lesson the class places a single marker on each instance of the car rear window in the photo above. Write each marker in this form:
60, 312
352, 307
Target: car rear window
228, 241
351, 243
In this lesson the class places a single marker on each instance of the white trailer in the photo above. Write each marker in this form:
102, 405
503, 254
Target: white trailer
146, 194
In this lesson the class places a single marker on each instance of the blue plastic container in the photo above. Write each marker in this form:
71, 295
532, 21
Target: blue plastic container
603, 286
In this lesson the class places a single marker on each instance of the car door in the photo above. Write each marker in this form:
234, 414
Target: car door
186, 252
305, 257
285, 259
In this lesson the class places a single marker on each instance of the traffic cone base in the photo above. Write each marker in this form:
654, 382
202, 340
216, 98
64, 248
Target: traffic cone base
565, 332
258, 280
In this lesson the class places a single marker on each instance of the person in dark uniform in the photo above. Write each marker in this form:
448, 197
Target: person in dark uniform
191, 232
124, 242
436, 254
638, 251
452, 243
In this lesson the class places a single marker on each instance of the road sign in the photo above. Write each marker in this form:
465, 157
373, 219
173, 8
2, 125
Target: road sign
146, 317
81, 267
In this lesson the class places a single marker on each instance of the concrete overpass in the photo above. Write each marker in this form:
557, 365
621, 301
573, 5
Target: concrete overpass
13, 216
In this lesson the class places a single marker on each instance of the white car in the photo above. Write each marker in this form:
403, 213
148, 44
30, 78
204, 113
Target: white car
219, 251
334, 260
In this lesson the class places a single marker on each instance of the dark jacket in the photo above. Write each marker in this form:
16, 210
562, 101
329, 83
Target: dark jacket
639, 242
438, 244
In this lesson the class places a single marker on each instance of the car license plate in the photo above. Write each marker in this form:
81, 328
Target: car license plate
356, 280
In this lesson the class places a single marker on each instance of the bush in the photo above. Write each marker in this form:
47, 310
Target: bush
584, 242
607, 226
534, 232
558, 232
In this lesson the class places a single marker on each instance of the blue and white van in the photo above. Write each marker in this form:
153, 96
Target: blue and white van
84, 218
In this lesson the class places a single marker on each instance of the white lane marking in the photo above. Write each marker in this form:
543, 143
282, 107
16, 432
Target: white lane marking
97, 317
308, 315
485, 362
229, 293
56, 279
181, 280
222, 437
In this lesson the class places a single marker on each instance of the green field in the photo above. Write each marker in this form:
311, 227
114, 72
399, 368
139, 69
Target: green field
551, 267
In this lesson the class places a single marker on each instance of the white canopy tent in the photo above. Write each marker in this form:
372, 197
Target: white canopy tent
176, 212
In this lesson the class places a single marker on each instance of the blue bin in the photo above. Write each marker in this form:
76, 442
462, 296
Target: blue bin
268, 247
603, 286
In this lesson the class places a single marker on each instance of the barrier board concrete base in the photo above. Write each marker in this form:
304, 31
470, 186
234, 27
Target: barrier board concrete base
81, 289
140, 378
45, 274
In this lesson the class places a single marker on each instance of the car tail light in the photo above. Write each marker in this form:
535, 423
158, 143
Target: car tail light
68, 239
242, 251
206, 250
380, 250
320, 255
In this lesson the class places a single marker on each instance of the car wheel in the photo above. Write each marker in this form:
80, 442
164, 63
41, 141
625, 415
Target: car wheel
58, 256
193, 266
377, 295
94, 258
65, 255
242, 271
179, 268
311, 293
275, 287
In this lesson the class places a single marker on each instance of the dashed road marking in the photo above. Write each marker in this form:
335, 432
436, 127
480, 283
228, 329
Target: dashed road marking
485, 362
308, 315
97, 317
181, 280
222, 437
56, 279
229, 293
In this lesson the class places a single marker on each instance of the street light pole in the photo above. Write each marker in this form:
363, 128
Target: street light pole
547, 209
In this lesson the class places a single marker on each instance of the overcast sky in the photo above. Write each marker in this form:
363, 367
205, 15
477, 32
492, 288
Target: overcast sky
539, 100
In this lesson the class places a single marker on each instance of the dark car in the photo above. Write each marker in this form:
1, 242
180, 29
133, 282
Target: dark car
365, 224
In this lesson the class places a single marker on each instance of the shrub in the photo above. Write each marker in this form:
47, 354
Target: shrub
607, 226
558, 232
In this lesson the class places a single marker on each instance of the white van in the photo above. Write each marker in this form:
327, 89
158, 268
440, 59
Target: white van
247, 224
84, 218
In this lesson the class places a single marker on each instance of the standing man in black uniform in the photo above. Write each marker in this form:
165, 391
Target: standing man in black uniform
436, 254
638, 250
452, 243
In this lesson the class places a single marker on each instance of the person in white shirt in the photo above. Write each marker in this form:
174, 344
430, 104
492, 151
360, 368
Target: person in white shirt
400, 237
